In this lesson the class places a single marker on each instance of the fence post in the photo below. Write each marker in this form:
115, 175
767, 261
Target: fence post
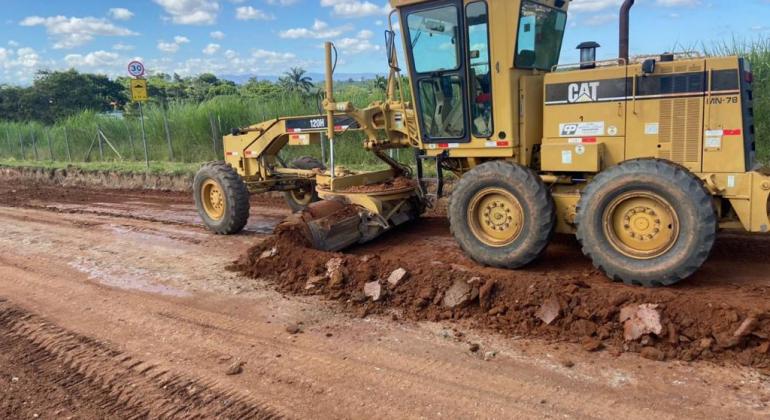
34, 145
21, 144
214, 134
168, 137
144, 137
101, 146
8, 140
130, 141
67, 144
50, 147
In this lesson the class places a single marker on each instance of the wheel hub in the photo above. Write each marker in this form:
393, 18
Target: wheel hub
642, 225
495, 217
213, 199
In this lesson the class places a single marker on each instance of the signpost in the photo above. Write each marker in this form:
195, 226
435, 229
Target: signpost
139, 94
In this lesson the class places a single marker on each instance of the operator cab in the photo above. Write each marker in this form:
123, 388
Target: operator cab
453, 63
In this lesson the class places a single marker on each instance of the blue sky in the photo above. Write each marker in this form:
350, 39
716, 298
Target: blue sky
265, 37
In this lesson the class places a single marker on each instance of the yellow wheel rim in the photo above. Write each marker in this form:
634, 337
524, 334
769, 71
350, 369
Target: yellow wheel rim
213, 199
641, 225
495, 217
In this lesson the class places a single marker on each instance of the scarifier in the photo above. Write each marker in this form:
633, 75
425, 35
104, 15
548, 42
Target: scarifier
643, 158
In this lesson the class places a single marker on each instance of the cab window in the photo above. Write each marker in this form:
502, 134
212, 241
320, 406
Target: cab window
480, 80
541, 31
433, 37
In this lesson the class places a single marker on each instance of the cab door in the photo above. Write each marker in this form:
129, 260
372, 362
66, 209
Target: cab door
435, 41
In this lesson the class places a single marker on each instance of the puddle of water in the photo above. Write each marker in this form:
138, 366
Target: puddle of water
127, 278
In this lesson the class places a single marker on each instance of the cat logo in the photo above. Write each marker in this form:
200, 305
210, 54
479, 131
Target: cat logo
583, 92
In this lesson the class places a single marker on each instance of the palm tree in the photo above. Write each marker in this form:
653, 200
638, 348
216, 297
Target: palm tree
296, 81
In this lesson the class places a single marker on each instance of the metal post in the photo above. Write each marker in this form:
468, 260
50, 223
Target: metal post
50, 147
34, 145
67, 145
329, 103
323, 148
8, 140
214, 134
168, 137
101, 146
144, 137
21, 144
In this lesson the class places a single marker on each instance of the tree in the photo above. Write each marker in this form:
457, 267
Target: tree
380, 82
295, 80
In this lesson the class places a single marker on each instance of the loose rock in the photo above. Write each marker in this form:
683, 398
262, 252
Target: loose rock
373, 290
549, 310
653, 354
746, 327
474, 347
591, 344
458, 294
235, 369
396, 277
334, 271
639, 320
293, 329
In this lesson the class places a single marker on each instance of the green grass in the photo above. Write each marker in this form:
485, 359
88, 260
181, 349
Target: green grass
163, 168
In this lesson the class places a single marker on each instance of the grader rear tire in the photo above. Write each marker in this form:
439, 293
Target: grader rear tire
298, 199
221, 198
646, 222
502, 215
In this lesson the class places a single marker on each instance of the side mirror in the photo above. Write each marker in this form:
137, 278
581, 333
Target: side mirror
475, 54
390, 46
648, 66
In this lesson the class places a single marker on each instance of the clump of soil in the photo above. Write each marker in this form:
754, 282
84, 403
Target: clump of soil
399, 183
582, 307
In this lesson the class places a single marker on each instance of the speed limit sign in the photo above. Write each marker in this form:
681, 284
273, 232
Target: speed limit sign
136, 69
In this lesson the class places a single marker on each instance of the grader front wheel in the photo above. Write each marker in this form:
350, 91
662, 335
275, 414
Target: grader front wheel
501, 214
221, 198
646, 222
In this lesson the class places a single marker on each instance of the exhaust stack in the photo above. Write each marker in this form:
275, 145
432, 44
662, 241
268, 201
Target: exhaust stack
625, 17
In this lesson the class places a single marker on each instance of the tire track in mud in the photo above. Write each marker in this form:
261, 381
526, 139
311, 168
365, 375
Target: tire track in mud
110, 381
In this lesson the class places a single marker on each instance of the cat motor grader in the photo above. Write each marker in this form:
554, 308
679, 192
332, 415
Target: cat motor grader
643, 159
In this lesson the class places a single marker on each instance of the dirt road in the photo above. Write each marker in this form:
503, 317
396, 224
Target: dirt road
118, 304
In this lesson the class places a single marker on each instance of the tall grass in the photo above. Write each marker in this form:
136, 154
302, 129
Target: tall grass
195, 130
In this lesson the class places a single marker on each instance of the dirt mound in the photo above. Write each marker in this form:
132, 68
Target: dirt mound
583, 307
399, 183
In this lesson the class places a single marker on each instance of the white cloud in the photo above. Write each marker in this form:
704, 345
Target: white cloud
360, 44
92, 59
27, 57
250, 13
13, 44
191, 12
282, 2
593, 5
355, 8
211, 49
122, 47
677, 3
172, 47
70, 32
218, 35
319, 30
120, 13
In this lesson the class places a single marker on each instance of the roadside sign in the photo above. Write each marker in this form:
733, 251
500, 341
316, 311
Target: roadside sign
136, 69
139, 90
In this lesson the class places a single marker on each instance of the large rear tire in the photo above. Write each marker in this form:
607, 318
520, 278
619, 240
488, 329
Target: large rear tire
647, 222
221, 198
502, 214
298, 199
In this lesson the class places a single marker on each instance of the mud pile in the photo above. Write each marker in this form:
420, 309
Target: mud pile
399, 183
398, 276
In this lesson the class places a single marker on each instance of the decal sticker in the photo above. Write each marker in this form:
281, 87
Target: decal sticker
398, 120
735, 132
580, 150
612, 130
651, 129
566, 157
583, 129
583, 92
714, 133
712, 143
731, 181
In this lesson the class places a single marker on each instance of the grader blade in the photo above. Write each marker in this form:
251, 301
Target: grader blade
332, 226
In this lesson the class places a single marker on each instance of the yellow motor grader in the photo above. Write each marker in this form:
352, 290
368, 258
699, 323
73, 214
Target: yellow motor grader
644, 159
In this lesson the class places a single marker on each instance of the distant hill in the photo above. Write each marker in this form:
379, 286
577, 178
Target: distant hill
317, 77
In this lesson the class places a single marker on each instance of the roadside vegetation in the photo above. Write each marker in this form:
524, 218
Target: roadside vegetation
69, 117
